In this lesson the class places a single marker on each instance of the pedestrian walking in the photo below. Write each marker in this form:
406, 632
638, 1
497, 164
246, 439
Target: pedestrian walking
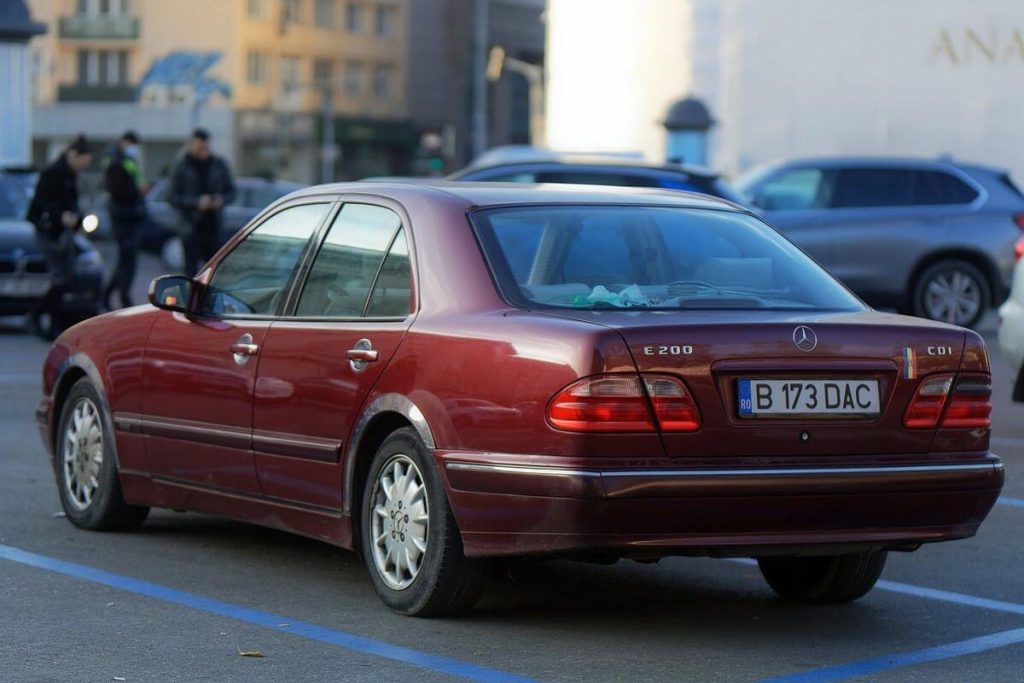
201, 185
54, 212
127, 208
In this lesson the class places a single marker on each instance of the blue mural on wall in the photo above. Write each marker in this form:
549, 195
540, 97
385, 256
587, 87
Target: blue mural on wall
185, 71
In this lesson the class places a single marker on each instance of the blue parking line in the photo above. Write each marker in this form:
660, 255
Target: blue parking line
322, 634
886, 662
1012, 502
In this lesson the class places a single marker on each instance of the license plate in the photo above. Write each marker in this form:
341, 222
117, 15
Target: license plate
786, 397
24, 287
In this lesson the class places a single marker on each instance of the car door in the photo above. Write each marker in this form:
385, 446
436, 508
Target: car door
199, 369
792, 199
318, 364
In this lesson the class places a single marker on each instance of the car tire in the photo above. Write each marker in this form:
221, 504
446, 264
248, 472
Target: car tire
86, 467
952, 291
410, 542
828, 579
172, 253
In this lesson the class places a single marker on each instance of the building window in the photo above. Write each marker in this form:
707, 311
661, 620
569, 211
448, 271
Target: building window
102, 67
257, 68
102, 7
323, 73
290, 74
353, 84
382, 82
382, 25
354, 18
291, 12
324, 13
256, 9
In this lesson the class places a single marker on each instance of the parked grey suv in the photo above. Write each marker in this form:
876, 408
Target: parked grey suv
934, 238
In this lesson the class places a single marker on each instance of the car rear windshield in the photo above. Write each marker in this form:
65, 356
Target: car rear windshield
650, 258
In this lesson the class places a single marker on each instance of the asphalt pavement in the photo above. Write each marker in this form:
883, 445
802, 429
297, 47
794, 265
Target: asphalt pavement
191, 597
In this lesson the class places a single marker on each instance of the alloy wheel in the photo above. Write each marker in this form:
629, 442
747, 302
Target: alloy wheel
952, 296
83, 454
399, 522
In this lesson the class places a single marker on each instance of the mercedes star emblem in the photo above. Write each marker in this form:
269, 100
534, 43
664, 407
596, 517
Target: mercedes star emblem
804, 338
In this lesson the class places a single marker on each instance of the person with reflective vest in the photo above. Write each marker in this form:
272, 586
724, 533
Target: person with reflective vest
126, 188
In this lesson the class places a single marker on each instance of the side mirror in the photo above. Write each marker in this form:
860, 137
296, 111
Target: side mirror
171, 293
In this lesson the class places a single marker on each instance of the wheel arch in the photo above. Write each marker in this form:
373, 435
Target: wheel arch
383, 416
976, 258
74, 368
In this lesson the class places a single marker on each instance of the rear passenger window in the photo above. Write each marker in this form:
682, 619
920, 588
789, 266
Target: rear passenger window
392, 292
793, 190
874, 187
939, 187
339, 283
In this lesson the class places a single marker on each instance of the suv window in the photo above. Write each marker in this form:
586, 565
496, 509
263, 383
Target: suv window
794, 189
262, 196
874, 187
348, 262
939, 187
251, 279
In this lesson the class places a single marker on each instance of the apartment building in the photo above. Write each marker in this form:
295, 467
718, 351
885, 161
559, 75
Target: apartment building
262, 75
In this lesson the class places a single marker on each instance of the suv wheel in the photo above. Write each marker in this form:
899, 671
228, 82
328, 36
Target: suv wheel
835, 578
952, 291
410, 542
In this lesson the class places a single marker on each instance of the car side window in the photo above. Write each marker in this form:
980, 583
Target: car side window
588, 178
874, 187
392, 293
933, 188
518, 177
251, 280
793, 190
347, 264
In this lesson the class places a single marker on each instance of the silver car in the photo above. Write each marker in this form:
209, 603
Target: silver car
934, 238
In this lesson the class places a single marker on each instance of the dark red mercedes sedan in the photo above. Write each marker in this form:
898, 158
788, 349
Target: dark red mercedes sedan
436, 375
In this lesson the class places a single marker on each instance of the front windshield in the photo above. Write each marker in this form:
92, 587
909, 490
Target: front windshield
650, 258
13, 201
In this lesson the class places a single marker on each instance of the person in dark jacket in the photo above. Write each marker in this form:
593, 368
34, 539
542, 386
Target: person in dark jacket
127, 208
55, 214
201, 184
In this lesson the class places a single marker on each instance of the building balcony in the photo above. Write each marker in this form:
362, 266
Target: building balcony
96, 93
102, 27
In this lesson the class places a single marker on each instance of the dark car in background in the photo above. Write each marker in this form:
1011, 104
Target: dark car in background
931, 237
163, 230
24, 273
600, 170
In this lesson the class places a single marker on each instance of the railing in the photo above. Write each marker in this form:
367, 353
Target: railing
101, 27
95, 93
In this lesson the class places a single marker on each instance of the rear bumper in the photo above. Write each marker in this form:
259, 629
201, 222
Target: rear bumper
506, 508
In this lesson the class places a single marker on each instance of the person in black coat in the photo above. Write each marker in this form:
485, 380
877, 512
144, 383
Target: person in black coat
201, 185
125, 186
55, 214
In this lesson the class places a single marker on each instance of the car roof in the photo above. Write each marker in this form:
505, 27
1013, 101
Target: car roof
881, 161
481, 194
591, 160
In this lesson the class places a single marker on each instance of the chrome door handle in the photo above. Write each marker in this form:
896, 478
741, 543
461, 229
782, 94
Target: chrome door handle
243, 349
361, 355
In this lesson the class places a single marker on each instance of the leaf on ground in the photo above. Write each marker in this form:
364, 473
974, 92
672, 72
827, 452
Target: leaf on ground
249, 653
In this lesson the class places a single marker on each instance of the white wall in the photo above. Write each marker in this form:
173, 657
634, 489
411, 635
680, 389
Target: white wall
791, 78
613, 68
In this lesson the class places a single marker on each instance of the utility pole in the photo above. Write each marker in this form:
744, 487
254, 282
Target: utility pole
480, 34
328, 150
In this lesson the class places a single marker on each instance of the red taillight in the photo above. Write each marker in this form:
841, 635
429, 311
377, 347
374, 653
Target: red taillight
1018, 249
620, 403
613, 403
926, 407
674, 409
967, 405
970, 406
